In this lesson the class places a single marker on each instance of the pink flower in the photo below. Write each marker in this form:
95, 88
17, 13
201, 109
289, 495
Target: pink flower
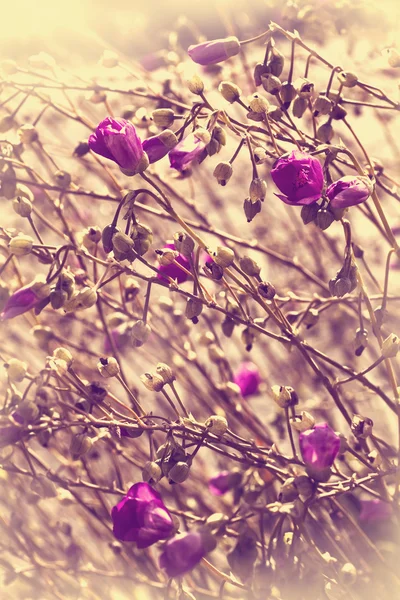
173, 270
247, 377
223, 482
349, 191
158, 146
141, 517
189, 149
299, 177
117, 140
214, 51
319, 446
21, 301
182, 553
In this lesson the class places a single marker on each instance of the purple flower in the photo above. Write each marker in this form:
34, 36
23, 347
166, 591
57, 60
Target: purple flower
141, 517
189, 149
374, 510
173, 270
349, 191
224, 482
117, 140
158, 146
247, 377
215, 51
319, 446
299, 177
182, 553
21, 301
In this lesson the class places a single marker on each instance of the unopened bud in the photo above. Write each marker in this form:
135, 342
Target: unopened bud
163, 117
16, 370
179, 472
63, 354
276, 62
258, 189
122, 243
230, 91
271, 84
309, 212
165, 371
224, 256
140, 331
223, 172
288, 93
152, 381
324, 218
194, 308
217, 425
304, 87
249, 266
257, 103
347, 79
299, 106
284, 396
151, 472
108, 367
322, 106
62, 178
390, 346
251, 209
325, 132
196, 85
22, 206
80, 444
21, 244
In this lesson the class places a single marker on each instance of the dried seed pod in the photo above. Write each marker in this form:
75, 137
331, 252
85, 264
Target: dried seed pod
194, 308
196, 85
361, 427
303, 421
179, 472
251, 209
16, 370
299, 107
257, 103
284, 395
259, 70
324, 218
80, 444
217, 424
338, 112
390, 346
325, 132
266, 290
229, 91
163, 117
151, 472
347, 79
288, 93
258, 189
108, 367
140, 331
322, 106
165, 371
249, 266
21, 245
309, 213
223, 172
224, 256
276, 62
271, 84
152, 381
184, 243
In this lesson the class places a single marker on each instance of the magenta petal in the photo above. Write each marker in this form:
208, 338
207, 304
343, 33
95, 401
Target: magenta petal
20, 302
319, 446
299, 176
182, 554
247, 378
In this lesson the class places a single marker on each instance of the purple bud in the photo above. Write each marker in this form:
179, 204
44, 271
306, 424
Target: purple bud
141, 517
21, 301
158, 146
182, 553
247, 377
173, 270
189, 149
299, 177
117, 140
374, 510
319, 446
223, 482
349, 191
215, 51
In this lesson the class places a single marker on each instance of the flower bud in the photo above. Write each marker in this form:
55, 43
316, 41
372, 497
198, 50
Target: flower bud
22, 206
229, 91
266, 290
284, 396
299, 106
257, 103
107, 236
163, 117
251, 209
16, 370
179, 472
167, 256
80, 444
196, 85
122, 243
276, 62
194, 308
224, 257
288, 93
62, 178
259, 70
223, 172
360, 341
303, 421
63, 354
338, 112
217, 425
151, 472
347, 79
390, 346
28, 133
258, 189
165, 372
108, 367
152, 381
109, 59
361, 427
81, 149
304, 87
141, 331
322, 106
325, 132
184, 243
58, 298
86, 297
260, 155
21, 244
271, 84
249, 266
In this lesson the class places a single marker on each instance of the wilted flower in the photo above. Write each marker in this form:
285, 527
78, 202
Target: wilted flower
247, 377
349, 191
172, 270
22, 300
188, 150
299, 177
224, 482
141, 517
182, 553
214, 51
319, 446
117, 140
